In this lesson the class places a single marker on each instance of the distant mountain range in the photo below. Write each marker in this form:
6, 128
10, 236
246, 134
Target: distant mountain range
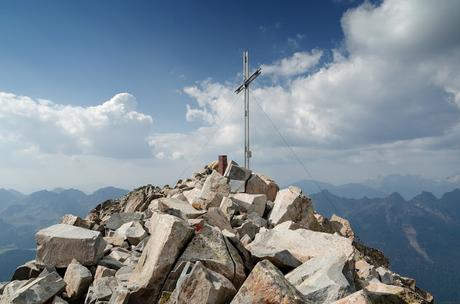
421, 236
406, 185
22, 215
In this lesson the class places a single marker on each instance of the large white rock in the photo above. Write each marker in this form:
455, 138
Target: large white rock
192, 194
117, 219
250, 202
341, 226
216, 217
169, 236
37, 291
260, 184
198, 284
216, 253
74, 220
59, 244
251, 225
77, 278
291, 205
101, 290
303, 244
324, 279
133, 232
214, 189
237, 177
266, 284
163, 204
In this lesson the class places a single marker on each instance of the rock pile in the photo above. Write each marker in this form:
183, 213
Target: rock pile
233, 238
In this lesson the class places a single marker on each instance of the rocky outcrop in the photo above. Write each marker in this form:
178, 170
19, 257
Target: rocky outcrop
197, 284
212, 238
169, 236
77, 278
291, 205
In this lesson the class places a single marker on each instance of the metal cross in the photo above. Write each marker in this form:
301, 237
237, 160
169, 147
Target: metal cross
245, 86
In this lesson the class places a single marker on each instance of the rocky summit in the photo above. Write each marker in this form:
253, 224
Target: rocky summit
213, 238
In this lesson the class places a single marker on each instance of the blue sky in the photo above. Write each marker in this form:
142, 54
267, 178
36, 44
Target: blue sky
122, 93
83, 52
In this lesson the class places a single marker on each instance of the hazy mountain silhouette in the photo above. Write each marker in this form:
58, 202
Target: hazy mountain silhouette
406, 185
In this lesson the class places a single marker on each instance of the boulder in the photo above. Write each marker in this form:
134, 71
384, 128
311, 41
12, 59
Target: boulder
70, 219
324, 279
191, 194
197, 284
26, 271
77, 278
341, 226
266, 284
239, 246
37, 291
169, 236
250, 202
120, 254
260, 184
124, 274
9, 289
214, 189
291, 205
120, 296
211, 248
110, 262
102, 272
216, 217
169, 205
101, 290
59, 244
303, 244
228, 207
386, 276
117, 219
237, 177
139, 199
251, 225
365, 272
133, 232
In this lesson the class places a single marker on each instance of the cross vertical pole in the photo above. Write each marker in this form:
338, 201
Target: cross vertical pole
245, 86
247, 153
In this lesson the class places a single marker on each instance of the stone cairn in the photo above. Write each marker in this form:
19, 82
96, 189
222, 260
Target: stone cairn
212, 238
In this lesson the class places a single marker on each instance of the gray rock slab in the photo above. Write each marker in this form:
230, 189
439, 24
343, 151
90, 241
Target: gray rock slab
266, 284
324, 279
169, 236
59, 244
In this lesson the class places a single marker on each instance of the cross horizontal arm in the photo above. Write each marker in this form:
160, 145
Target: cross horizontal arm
249, 80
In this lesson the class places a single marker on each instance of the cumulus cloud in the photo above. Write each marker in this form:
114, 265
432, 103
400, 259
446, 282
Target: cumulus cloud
392, 89
111, 129
298, 63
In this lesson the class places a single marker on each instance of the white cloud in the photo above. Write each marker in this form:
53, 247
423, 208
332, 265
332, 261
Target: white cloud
298, 63
111, 129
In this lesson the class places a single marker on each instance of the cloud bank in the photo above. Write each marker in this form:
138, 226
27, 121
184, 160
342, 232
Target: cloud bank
111, 129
